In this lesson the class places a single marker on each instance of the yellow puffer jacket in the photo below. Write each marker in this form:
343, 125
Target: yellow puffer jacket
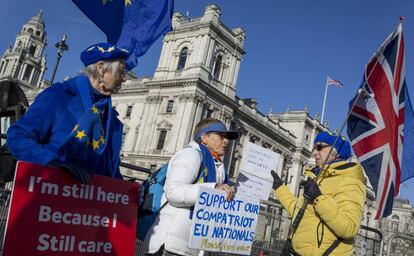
338, 212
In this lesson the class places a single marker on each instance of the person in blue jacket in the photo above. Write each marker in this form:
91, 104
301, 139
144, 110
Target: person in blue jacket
72, 124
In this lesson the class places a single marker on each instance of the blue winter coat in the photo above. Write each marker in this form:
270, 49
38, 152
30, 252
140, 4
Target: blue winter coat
41, 132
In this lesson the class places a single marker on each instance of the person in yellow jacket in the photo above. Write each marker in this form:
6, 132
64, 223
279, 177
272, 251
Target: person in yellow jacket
335, 200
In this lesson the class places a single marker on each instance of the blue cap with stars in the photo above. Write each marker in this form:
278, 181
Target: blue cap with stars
102, 51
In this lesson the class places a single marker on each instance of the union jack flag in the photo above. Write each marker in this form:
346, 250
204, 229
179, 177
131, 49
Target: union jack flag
334, 82
376, 123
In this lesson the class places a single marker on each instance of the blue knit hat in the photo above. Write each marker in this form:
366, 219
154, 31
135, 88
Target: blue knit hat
102, 51
342, 146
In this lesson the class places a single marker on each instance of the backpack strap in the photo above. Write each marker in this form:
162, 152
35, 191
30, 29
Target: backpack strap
332, 247
194, 182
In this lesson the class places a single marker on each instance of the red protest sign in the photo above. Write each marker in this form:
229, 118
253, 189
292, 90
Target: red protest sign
53, 214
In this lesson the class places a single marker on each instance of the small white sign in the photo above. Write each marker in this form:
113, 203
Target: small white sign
254, 178
253, 186
223, 226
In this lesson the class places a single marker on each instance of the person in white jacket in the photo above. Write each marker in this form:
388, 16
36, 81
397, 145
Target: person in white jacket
197, 165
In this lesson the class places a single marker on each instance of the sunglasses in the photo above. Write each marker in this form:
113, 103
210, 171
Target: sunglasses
222, 135
320, 146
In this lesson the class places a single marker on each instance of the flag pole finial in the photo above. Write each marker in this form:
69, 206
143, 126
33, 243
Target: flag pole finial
402, 17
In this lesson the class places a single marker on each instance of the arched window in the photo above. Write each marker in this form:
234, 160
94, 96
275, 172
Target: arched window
30, 30
394, 222
217, 67
27, 72
182, 59
32, 50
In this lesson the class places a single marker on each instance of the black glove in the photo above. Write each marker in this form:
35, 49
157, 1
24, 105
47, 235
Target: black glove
78, 172
277, 182
311, 189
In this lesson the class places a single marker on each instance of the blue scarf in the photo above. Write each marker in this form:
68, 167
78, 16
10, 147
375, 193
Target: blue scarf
208, 168
89, 138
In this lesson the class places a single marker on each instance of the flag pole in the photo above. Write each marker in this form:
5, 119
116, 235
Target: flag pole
324, 99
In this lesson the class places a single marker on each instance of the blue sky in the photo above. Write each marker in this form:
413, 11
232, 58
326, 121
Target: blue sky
291, 46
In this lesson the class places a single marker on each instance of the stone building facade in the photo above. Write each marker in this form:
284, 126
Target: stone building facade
398, 228
196, 77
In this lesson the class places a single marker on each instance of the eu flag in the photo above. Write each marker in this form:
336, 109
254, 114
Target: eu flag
408, 150
106, 14
130, 24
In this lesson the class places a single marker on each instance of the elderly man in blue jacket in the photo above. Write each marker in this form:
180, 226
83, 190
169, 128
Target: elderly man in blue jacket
73, 125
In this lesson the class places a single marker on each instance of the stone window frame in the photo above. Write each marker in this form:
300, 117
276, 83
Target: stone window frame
170, 106
177, 52
162, 137
129, 111
182, 59
32, 50
221, 54
217, 73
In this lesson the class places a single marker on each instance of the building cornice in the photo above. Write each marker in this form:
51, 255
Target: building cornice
271, 133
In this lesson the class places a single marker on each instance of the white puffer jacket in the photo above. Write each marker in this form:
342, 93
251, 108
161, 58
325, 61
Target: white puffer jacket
173, 224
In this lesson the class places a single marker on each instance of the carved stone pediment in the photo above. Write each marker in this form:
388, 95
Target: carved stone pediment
164, 125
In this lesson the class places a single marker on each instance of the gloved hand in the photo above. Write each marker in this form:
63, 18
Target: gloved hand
78, 172
277, 181
311, 189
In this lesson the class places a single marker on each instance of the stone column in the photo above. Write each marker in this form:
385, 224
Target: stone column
153, 133
210, 52
236, 73
202, 49
190, 102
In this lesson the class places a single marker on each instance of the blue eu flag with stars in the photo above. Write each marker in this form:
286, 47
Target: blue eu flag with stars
130, 24
88, 140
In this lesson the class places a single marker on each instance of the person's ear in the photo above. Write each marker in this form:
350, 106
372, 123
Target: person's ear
204, 138
100, 67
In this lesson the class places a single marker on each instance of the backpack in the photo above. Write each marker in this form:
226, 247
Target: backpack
151, 193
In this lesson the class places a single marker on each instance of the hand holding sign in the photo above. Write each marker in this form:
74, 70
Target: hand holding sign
255, 179
221, 225
230, 191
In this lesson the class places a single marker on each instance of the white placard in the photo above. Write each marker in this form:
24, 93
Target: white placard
223, 226
253, 186
254, 178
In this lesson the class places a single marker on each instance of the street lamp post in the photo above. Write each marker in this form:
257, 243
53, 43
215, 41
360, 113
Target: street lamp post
61, 47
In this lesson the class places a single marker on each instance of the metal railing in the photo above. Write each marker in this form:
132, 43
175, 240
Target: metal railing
400, 244
369, 241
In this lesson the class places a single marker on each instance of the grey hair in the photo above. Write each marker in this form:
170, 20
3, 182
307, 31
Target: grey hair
108, 65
